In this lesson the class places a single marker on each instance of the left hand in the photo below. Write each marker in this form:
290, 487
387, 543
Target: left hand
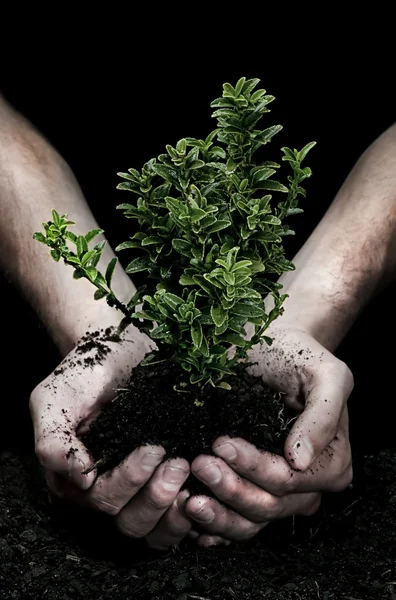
260, 487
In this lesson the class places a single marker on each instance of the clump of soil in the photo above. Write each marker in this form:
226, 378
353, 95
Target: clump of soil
150, 411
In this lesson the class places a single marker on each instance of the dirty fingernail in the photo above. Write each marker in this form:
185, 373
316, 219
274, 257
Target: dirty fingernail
151, 460
303, 452
209, 474
75, 468
226, 451
205, 514
173, 477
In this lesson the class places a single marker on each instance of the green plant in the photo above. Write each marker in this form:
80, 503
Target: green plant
210, 225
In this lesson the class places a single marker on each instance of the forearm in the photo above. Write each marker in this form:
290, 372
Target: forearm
352, 252
33, 180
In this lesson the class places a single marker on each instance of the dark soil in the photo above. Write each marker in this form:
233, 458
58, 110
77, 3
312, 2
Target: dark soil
150, 411
345, 552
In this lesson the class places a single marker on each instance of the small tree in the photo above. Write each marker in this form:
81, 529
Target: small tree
211, 219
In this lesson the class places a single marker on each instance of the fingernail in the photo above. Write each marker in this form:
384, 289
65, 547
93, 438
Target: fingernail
205, 514
303, 452
226, 451
75, 468
209, 474
151, 460
172, 478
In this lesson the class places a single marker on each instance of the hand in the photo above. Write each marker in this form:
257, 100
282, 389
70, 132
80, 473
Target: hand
143, 493
258, 486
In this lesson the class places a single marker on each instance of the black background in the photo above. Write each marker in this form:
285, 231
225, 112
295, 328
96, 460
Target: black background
107, 106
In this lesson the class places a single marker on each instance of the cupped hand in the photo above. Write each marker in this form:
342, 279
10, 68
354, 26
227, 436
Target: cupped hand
253, 487
143, 494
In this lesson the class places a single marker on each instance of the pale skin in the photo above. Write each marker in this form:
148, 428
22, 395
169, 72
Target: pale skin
345, 261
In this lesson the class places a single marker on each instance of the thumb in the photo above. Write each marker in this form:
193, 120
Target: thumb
325, 398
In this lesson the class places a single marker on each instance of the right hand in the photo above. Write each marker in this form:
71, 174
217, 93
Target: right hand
142, 494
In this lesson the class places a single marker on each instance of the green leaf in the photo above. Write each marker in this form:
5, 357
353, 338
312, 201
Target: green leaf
257, 95
219, 225
241, 265
128, 244
110, 271
196, 378
228, 91
56, 218
55, 255
92, 234
196, 334
196, 214
270, 184
82, 246
196, 164
235, 339
220, 330
249, 86
69, 235
99, 294
92, 273
181, 146
40, 237
261, 174
221, 102
87, 256
152, 239
138, 264
186, 280
172, 300
239, 86
182, 246
160, 332
247, 310
204, 284
224, 385
303, 153
266, 135
219, 315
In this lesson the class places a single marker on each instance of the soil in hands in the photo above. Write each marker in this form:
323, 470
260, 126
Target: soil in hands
150, 411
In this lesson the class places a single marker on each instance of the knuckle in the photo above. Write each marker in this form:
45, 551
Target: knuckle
43, 452
248, 531
130, 478
347, 374
284, 483
342, 481
159, 499
311, 507
129, 528
104, 505
231, 492
270, 509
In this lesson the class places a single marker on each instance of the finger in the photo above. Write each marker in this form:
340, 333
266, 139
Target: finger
114, 489
173, 526
249, 500
219, 521
206, 541
326, 395
332, 470
145, 509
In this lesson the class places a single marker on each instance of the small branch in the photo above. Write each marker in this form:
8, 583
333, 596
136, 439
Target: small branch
95, 465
